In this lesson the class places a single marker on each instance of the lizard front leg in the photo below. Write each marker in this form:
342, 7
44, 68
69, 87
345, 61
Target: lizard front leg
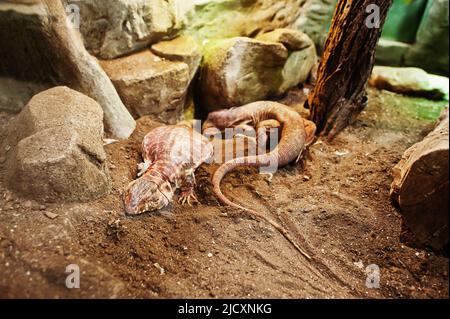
187, 188
143, 168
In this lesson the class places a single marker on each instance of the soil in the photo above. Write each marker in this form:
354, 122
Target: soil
335, 203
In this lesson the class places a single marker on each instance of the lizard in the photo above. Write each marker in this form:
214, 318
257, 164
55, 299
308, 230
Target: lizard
297, 133
171, 155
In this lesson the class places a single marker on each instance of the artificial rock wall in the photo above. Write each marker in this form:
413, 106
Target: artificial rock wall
112, 28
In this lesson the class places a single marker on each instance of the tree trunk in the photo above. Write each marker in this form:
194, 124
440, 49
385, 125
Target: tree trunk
420, 187
340, 95
79, 70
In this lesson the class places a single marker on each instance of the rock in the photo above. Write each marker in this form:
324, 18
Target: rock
430, 50
184, 49
149, 85
20, 20
57, 152
392, 53
28, 204
302, 56
298, 68
160, 269
410, 81
315, 19
33, 35
51, 215
117, 27
440, 85
53, 165
61, 107
217, 19
8, 196
14, 94
240, 70
427, 48
293, 40
420, 187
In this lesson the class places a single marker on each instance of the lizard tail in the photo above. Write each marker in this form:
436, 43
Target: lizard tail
217, 179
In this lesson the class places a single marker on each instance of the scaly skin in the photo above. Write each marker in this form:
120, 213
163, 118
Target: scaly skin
296, 134
171, 156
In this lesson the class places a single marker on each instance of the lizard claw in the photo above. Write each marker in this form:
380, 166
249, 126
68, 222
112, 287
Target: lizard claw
300, 157
188, 198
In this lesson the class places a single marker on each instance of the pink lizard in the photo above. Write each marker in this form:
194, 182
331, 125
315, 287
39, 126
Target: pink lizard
297, 133
171, 156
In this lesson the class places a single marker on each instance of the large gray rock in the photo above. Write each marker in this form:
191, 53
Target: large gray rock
55, 148
430, 51
315, 19
150, 85
420, 187
112, 28
298, 68
52, 165
391, 52
302, 55
61, 106
410, 81
240, 70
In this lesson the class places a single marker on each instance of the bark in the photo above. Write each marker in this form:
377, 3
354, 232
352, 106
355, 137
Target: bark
348, 59
420, 187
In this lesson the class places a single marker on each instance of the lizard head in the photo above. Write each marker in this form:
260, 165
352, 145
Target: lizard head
146, 195
221, 120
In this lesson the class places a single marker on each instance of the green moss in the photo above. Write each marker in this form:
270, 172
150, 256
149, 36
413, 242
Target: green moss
211, 47
423, 109
416, 108
215, 20
394, 112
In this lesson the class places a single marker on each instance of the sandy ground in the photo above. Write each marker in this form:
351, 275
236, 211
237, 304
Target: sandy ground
336, 204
